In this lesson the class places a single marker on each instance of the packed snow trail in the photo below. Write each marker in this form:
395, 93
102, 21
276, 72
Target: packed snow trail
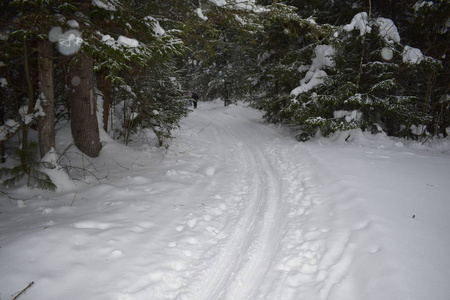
231, 212
236, 209
269, 246
246, 253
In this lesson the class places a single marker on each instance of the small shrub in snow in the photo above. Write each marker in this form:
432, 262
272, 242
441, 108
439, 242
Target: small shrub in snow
30, 168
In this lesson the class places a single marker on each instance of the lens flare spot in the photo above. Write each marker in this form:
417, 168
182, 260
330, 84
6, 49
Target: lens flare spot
387, 53
70, 42
54, 34
76, 80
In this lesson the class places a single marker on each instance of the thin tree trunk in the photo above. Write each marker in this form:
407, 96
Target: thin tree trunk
2, 121
104, 84
2, 118
30, 99
83, 107
46, 129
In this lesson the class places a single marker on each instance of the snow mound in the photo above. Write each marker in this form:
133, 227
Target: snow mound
58, 176
207, 171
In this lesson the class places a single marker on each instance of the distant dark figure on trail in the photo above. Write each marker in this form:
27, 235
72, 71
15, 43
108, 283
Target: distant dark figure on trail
195, 97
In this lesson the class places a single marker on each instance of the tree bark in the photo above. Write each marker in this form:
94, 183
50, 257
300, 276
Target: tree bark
46, 129
104, 84
30, 93
83, 107
2, 121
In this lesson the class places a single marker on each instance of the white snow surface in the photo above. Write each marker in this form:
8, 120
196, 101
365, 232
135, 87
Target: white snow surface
236, 209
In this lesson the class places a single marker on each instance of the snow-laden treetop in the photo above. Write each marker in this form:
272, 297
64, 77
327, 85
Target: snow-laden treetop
246, 4
388, 30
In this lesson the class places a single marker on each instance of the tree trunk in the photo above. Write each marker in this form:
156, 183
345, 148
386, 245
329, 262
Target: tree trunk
104, 84
30, 93
2, 122
83, 107
46, 129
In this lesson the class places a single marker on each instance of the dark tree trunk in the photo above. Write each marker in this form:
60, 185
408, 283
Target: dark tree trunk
2, 121
30, 109
83, 107
46, 129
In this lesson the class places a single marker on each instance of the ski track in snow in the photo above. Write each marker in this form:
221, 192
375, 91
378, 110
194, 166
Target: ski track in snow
249, 221
266, 247
245, 255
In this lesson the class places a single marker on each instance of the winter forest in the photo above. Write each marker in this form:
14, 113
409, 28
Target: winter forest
314, 165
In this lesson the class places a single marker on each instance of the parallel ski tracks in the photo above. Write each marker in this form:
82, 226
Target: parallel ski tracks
245, 258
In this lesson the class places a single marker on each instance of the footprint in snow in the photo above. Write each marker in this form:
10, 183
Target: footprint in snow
116, 253
171, 172
142, 227
297, 211
192, 241
207, 171
192, 222
178, 265
146, 225
92, 225
137, 229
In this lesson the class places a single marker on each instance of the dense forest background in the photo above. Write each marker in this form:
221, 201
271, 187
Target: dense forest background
125, 67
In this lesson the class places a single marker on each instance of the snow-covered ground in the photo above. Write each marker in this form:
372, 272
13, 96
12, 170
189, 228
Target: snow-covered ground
235, 209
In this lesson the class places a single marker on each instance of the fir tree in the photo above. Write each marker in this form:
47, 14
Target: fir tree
363, 90
284, 46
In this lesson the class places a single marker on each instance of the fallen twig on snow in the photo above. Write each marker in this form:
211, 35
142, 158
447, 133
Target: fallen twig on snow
23, 291
205, 127
73, 199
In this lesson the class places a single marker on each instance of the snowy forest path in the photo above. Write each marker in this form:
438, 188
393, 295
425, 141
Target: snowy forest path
267, 245
245, 254
235, 209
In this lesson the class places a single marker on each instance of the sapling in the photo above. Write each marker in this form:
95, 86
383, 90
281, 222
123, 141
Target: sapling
30, 168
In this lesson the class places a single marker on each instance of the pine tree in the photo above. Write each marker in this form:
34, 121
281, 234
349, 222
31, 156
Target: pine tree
283, 47
24, 27
221, 44
363, 90
147, 91
46, 122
